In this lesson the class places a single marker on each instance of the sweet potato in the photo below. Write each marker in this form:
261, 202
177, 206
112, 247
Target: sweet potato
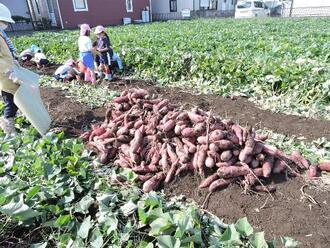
258, 147
144, 178
236, 152
233, 138
195, 159
312, 172
200, 127
138, 124
137, 141
260, 157
202, 140
217, 135
171, 173
324, 166
85, 135
121, 163
121, 99
213, 147
188, 132
177, 129
209, 162
161, 105
219, 184
164, 110
261, 137
139, 93
207, 182
233, 171
201, 161
238, 131
195, 118
145, 169
180, 152
258, 172
226, 155
182, 116
267, 166
279, 166
154, 182
224, 144
122, 131
172, 155
169, 125
223, 164
254, 163
191, 146
299, 159
96, 132
164, 158
184, 167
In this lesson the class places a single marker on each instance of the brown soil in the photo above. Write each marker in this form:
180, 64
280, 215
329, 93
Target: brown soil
68, 115
240, 110
288, 214
47, 70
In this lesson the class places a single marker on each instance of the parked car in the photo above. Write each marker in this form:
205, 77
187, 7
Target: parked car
249, 9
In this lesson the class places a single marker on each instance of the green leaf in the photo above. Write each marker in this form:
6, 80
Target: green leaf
83, 205
289, 242
244, 227
96, 240
63, 220
84, 228
160, 225
32, 192
143, 216
230, 234
129, 208
16, 208
39, 245
167, 241
257, 240
145, 244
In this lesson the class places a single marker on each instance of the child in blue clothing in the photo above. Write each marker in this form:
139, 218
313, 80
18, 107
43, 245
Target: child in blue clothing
104, 47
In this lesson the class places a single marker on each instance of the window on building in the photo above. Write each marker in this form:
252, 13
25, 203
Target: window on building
209, 4
129, 5
173, 6
80, 5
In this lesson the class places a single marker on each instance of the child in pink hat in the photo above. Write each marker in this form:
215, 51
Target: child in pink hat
85, 49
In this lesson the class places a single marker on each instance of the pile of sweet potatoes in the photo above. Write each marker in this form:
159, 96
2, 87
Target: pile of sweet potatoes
158, 141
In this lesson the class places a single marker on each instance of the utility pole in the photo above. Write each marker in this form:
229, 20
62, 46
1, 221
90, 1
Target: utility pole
291, 8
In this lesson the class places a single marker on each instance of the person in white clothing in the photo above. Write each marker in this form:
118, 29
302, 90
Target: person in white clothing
40, 59
85, 50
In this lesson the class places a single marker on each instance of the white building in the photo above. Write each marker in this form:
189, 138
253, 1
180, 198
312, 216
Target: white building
173, 8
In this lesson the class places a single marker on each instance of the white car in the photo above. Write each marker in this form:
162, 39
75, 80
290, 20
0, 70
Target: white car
249, 9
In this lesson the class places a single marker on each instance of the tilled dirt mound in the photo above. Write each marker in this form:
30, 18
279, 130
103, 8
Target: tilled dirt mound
240, 110
67, 114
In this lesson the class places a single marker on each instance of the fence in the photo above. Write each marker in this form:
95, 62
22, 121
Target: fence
277, 11
19, 26
194, 14
307, 11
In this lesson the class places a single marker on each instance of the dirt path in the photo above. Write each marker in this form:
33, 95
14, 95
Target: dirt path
240, 110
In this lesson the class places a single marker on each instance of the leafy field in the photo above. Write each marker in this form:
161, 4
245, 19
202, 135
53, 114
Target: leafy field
282, 65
